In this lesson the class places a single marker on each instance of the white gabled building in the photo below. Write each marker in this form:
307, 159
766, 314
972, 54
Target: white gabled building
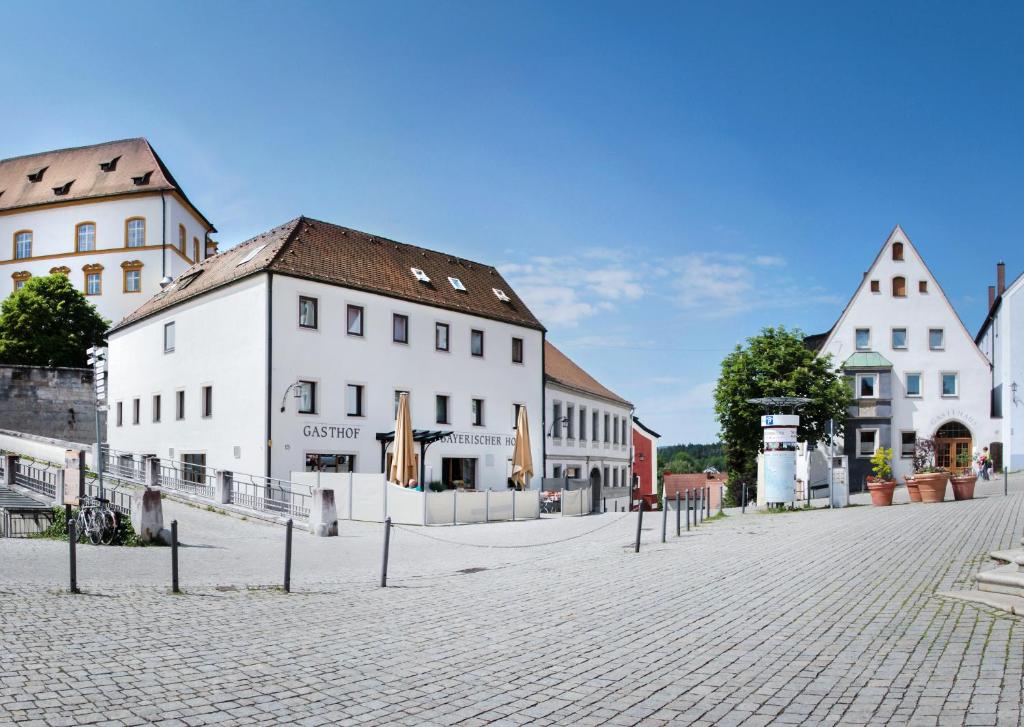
109, 216
914, 368
297, 343
589, 428
1005, 351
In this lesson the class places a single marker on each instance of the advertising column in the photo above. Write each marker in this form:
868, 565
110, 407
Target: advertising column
779, 457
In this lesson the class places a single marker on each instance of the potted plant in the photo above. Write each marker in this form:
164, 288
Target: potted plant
965, 479
881, 485
930, 479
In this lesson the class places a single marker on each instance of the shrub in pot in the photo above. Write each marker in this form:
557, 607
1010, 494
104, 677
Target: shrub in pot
964, 480
930, 479
881, 485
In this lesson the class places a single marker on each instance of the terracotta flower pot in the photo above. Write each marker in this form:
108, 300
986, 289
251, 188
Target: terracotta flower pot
963, 487
915, 494
932, 485
881, 492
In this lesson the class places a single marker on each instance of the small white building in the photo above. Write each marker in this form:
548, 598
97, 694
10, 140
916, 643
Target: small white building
589, 428
1005, 351
914, 368
109, 216
294, 346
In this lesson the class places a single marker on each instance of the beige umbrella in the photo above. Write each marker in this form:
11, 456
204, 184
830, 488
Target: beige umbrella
522, 458
403, 461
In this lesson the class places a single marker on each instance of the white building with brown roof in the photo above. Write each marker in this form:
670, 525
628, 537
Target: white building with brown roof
589, 428
109, 216
295, 345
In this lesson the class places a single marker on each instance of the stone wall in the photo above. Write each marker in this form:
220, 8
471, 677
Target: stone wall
57, 402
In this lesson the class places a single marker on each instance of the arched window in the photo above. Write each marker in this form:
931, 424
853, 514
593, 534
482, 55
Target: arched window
85, 236
22, 244
20, 278
897, 251
135, 232
182, 237
195, 249
899, 287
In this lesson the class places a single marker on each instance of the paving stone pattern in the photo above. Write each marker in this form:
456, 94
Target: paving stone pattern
823, 617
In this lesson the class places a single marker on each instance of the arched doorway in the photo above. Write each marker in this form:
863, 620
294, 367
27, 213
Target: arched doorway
952, 444
595, 489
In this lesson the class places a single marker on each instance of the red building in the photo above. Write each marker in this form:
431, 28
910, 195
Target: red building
645, 459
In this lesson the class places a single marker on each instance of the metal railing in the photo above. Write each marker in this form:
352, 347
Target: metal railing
42, 478
120, 499
193, 479
271, 495
123, 466
19, 523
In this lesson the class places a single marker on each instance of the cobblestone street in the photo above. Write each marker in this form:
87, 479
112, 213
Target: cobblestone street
823, 617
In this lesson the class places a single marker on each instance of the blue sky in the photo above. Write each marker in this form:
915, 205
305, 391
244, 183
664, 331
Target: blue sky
659, 181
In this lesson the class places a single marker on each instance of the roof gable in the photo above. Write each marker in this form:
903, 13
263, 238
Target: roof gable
561, 369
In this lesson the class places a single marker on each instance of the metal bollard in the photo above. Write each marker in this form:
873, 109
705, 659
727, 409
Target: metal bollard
73, 570
174, 557
721, 499
387, 544
743, 498
678, 515
639, 523
1006, 480
664, 519
687, 511
288, 558
604, 504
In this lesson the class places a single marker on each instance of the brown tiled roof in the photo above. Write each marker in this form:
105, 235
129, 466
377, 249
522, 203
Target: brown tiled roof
81, 167
315, 250
563, 370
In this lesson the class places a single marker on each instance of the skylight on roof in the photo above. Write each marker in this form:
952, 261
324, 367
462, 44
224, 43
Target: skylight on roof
420, 275
457, 284
501, 295
250, 255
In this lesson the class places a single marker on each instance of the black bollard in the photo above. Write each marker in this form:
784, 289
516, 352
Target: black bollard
708, 490
288, 558
387, 543
687, 511
604, 504
678, 515
743, 498
664, 519
174, 557
1006, 481
73, 570
639, 523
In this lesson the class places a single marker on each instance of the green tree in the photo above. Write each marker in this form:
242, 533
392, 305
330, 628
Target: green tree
49, 323
774, 363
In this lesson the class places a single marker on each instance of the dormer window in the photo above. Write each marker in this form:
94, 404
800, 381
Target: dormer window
37, 175
501, 295
142, 180
420, 275
63, 189
110, 166
897, 251
457, 284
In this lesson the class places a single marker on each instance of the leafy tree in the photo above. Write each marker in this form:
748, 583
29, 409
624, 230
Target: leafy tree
774, 363
49, 323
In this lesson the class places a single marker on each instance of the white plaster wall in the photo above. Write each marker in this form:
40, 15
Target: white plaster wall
54, 245
918, 312
220, 340
1006, 350
587, 454
333, 359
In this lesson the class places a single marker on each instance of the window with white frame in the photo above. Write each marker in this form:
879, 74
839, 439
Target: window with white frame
913, 383
169, 337
867, 386
899, 338
908, 444
354, 400
135, 232
85, 236
863, 339
867, 442
950, 383
23, 244
936, 339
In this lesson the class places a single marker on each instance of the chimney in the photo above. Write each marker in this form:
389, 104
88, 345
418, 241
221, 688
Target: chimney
991, 296
1001, 277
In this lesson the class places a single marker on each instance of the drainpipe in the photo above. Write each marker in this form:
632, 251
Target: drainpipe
543, 413
270, 361
163, 237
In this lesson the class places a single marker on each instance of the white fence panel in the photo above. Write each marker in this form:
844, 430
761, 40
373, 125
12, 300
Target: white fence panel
471, 507
576, 502
441, 507
340, 482
405, 506
527, 504
367, 497
501, 505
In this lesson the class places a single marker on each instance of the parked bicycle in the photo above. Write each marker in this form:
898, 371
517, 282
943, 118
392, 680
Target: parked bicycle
96, 520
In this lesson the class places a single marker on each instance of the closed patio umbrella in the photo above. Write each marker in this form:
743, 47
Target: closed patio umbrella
522, 458
403, 461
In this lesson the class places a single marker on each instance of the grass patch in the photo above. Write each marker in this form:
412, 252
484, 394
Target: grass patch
716, 516
58, 529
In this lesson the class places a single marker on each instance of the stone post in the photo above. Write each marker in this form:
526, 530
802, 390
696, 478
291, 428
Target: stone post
58, 494
222, 488
151, 471
10, 468
148, 515
323, 514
